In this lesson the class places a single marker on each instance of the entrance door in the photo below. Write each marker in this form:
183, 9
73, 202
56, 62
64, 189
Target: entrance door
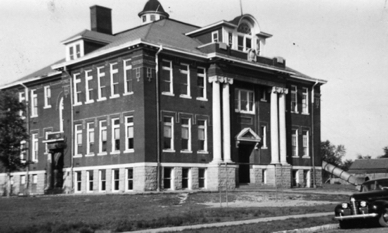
244, 153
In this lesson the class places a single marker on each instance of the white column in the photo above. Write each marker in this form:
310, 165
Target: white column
226, 119
282, 128
274, 128
216, 120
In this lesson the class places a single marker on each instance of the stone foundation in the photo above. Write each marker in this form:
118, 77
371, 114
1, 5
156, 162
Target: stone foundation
221, 177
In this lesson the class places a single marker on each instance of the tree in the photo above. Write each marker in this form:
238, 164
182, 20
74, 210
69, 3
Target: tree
346, 164
359, 156
332, 154
385, 149
12, 133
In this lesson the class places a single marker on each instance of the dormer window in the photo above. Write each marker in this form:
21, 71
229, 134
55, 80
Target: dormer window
215, 36
144, 18
74, 50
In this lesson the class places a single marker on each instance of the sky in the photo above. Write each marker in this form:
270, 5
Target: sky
342, 41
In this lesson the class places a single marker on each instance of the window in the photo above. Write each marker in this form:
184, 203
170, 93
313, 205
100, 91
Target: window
201, 83
103, 137
167, 77
168, 135
201, 178
35, 147
185, 135
230, 39
77, 90
115, 180
264, 176
202, 135
78, 140
34, 179
215, 36
114, 81
22, 180
294, 99
305, 135
129, 133
295, 178
46, 149
144, 18
184, 71
258, 47
129, 183
240, 43
152, 18
294, 138
90, 138
78, 181
102, 174
34, 104
90, 180
168, 179
305, 101
74, 51
23, 151
186, 184
22, 99
263, 130
101, 83
47, 97
128, 88
244, 101
88, 87
116, 135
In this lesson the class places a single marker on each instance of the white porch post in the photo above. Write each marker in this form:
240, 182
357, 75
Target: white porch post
226, 119
282, 127
274, 127
216, 120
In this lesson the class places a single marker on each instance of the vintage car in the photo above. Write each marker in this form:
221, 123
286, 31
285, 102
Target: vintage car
368, 206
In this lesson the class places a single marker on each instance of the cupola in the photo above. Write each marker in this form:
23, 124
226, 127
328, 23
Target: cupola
152, 11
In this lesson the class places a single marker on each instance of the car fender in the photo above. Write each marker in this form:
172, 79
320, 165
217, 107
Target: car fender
380, 204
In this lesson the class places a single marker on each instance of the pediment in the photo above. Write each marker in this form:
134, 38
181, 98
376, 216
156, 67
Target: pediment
249, 136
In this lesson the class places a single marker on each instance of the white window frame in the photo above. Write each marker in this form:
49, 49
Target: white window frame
245, 37
77, 136
306, 143
171, 124
47, 97
75, 55
204, 127
114, 180
171, 91
295, 133
113, 84
89, 130
294, 92
76, 81
172, 177
215, 37
35, 147
88, 181
202, 76
204, 178
127, 179
127, 66
263, 129
305, 100
188, 127
78, 174
23, 150
113, 135
88, 78
22, 99
127, 125
47, 151
238, 107
101, 85
100, 138
100, 180
189, 179
34, 103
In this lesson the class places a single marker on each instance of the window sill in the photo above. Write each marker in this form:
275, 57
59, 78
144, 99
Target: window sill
295, 157
243, 112
186, 151
89, 102
168, 93
77, 156
101, 99
129, 151
305, 113
201, 99
77, 104
203, 152
114, 97
306, 157
47, 107
34, 116
102, 154
263, 100
185, 97
294, 112
169, 150
115, 153
128, 93
89, 155
264, 148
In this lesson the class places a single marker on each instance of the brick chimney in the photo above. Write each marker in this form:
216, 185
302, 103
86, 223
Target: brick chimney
101, 19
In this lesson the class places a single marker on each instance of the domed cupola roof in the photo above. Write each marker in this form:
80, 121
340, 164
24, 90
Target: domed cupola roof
154, 7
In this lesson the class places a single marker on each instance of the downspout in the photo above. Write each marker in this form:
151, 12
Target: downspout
26, 93
158, 152
71, 130
312, 135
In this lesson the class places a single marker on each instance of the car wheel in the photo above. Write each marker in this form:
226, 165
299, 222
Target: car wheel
383, 219
345, 224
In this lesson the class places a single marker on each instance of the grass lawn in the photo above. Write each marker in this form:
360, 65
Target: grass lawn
134, 212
